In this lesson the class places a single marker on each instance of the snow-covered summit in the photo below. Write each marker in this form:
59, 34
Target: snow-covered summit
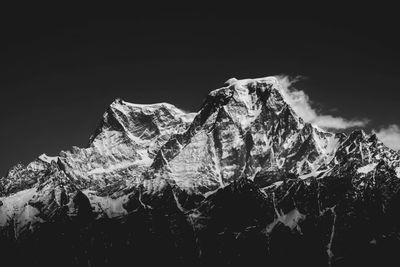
125, 142
245, 82
244, 129
47, 158
154, 178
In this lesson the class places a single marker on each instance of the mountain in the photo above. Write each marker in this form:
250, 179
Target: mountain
243, 181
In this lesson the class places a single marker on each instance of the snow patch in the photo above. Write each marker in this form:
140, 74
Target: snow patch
112, 168
313, 173
13, 205
332, 236
367, 168
239, 84
290, 219
274, 185
277, 184
107, 205
48, 159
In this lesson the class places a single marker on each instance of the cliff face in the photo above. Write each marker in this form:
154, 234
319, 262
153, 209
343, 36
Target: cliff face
243, 181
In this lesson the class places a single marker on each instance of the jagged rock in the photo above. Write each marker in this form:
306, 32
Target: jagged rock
243, 181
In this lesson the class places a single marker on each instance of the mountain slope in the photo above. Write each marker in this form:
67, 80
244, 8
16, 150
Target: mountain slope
226, 185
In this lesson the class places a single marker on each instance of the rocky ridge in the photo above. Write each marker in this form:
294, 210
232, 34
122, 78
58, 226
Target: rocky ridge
225, 185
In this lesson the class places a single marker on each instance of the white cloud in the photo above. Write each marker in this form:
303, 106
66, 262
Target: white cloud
390, 136
302, 105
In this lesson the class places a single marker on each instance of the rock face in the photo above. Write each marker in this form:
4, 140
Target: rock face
243, 181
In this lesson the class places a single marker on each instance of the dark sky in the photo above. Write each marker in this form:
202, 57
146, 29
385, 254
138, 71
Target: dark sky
59, 72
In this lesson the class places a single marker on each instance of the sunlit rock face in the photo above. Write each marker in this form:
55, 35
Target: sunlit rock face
243, 181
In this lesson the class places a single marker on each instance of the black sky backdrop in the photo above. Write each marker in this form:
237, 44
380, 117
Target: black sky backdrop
59, 70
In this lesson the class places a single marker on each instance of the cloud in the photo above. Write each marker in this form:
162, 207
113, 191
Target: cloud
390, 136
302, 105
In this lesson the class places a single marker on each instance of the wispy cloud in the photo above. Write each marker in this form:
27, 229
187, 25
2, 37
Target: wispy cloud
302, 105
390, 136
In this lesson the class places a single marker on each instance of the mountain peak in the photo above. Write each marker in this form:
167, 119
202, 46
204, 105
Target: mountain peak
47, 158
242, 129
243, 167
251, 81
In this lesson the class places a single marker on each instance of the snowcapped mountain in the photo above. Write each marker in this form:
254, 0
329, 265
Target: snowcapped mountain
125, 144
198, 187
